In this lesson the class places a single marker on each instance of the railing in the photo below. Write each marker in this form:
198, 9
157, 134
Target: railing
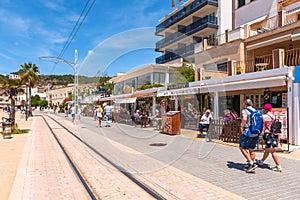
181, 52
184, 12
216, 41
291, 16
188, 30
292, 57
259, 63
265, 26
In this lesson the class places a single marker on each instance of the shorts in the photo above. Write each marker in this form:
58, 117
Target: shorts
271, 140
73, 115
248, 142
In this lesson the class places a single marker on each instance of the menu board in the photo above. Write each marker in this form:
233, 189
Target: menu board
281, 114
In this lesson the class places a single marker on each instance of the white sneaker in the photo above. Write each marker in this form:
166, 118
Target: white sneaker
277, 169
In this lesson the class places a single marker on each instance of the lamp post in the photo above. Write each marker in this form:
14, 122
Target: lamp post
74, 66
26, 103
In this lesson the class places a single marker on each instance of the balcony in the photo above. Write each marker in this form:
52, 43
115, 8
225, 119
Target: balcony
182, 52
265, 62
201, 6
196, 27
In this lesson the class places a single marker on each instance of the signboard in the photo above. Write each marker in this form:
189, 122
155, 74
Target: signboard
177, 86
281, 113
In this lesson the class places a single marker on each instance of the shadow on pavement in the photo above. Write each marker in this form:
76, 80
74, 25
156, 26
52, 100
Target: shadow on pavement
238, 166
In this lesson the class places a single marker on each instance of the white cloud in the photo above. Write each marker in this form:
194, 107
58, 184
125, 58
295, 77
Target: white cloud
5, 56
14, 22
57, 5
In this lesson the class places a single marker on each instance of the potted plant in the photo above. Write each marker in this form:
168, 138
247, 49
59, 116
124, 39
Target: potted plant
238, 70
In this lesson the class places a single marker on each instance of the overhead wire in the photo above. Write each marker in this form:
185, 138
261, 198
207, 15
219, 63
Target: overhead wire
75, 29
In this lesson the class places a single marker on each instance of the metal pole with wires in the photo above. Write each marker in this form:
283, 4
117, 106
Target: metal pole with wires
76, 81
74, 67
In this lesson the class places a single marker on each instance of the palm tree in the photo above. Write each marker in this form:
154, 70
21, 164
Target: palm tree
11, 88
29, 74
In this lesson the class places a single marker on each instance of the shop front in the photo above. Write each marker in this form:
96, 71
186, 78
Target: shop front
275, 87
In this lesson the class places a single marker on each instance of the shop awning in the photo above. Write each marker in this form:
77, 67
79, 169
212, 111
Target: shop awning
125, 100
268, 82
145, 93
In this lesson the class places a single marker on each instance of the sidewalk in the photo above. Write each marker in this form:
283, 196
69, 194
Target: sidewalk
10, 154
12, 150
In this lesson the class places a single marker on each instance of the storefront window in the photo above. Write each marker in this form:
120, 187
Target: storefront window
144, 79
158, 77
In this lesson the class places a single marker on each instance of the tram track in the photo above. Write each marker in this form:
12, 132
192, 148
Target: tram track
84, 180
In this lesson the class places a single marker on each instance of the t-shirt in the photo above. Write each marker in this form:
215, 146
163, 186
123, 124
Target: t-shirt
99, 112
245, 112
107, 110
267, 123
73, 110
205, 119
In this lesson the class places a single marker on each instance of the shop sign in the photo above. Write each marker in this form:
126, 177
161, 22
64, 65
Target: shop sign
297, 74
177, 86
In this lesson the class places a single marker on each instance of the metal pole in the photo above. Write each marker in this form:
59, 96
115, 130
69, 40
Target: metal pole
76, 81
26, 104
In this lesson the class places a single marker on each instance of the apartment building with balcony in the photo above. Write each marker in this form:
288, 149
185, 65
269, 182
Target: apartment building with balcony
255, 60
188, 25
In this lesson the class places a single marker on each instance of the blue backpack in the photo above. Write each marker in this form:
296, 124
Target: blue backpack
256, 123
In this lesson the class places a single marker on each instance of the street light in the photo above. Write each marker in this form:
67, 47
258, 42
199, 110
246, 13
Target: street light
74, 66
26, 103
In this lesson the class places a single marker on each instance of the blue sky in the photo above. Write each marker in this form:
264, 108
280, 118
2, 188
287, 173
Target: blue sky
116, 36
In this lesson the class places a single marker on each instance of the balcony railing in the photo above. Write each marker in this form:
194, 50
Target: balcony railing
207, 21
184, 12
292, 16
267, 25
216, 41
178, 53
292, 57
259, 63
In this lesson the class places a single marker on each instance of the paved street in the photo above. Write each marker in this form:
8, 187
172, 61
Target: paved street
181, 166
219, 165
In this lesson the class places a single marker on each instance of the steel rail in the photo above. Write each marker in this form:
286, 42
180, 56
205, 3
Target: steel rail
144, 186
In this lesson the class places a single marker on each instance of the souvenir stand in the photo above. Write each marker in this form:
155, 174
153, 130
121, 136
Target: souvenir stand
171, 123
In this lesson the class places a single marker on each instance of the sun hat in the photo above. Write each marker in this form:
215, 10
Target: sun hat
268, 107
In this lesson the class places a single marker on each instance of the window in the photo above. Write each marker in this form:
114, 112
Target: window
222, 67
241, 3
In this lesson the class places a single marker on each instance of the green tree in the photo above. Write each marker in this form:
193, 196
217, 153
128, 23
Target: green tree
35, 100
186, 73
144, 87
29, 73
104, 82
11, 87
43, 103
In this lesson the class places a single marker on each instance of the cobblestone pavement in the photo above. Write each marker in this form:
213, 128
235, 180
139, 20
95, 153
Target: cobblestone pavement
216, 164
180, 166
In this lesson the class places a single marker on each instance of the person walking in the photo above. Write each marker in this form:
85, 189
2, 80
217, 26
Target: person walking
271, 139
99, 115
66, 110
108, 112
73, 113
248, 143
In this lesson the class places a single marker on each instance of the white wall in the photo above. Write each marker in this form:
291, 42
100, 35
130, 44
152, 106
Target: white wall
254, 10
225, 16
295, 121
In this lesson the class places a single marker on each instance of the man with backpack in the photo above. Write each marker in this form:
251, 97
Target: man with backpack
251, 127
272, 127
